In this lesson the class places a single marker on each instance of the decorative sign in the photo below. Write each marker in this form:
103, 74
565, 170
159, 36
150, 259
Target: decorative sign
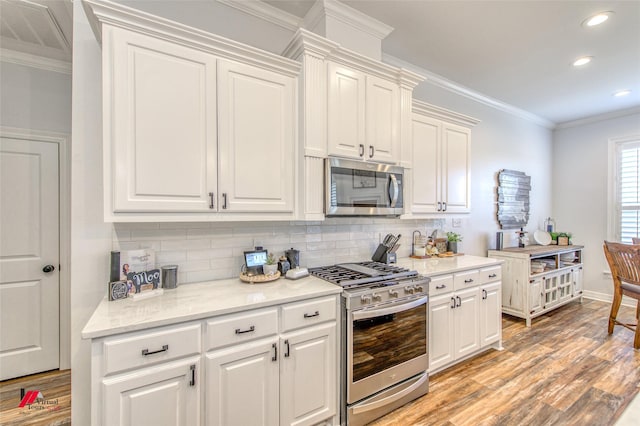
513, 199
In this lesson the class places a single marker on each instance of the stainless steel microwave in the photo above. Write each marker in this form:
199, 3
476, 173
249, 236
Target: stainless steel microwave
358, 188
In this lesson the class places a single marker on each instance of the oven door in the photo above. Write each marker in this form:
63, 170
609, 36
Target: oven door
385, 345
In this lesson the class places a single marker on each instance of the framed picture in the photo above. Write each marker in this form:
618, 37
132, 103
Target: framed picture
364, 179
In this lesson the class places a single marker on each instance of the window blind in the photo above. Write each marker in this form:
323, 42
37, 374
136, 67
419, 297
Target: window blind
628, 190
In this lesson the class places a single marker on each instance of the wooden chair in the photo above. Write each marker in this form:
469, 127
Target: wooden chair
624, 262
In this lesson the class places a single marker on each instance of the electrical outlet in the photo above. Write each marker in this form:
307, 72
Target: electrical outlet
456, 223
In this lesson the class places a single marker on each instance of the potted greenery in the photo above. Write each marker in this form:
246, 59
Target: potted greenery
452, 241
270, 266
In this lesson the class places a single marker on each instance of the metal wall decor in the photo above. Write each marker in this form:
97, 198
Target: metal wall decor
513, 199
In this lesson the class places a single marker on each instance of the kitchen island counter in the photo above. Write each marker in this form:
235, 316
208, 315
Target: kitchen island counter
197, 301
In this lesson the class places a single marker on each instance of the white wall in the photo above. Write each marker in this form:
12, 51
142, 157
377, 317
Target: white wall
580, 176
90, 236
35, 99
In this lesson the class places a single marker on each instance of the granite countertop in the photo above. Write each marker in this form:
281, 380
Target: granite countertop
207, 299
446, 265
197, 301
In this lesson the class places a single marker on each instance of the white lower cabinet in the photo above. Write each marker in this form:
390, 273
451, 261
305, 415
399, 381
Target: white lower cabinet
164, 395
289, 378
308, 368
271, 366
464, 315
242, 384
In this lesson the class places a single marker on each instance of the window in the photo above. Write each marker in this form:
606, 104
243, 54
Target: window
626, 179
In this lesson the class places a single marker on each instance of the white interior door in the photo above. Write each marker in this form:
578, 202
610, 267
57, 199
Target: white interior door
29, 246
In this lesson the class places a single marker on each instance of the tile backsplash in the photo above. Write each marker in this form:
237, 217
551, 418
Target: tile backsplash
214, 250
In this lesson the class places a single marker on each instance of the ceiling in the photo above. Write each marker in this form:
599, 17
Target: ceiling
517, 52
37, 27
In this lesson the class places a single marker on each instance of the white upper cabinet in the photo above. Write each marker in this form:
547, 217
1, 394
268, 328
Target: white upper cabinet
364, 115
383, 117
256, 110
160, 123
196, 126
440, 173
346, 126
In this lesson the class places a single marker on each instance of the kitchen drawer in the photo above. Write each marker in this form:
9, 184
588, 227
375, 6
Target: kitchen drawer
466, 279
242, 327
308, 312
440, 285
150, 347
489, 275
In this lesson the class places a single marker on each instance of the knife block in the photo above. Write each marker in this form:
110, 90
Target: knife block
381, 255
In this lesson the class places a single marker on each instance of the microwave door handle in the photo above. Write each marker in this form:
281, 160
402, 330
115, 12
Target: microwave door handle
393, 190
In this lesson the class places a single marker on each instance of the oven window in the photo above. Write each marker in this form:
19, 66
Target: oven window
386, 341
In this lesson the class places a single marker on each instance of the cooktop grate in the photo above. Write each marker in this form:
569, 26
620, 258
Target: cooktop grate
361, 273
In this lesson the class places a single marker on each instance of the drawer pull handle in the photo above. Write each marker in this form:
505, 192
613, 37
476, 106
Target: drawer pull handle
470, 280
211, 206
275, 352
248, 330
315, 314
440, 287
484, 294
459, 302
146, 352
287, 353
493, 276
453, 303
193, 375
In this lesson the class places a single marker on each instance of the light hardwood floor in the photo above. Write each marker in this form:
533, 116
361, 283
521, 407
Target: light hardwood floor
565, 370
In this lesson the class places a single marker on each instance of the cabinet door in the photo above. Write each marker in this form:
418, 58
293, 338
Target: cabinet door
577, 281
466, 324
382, 119
346, 112
490, 314
166, 394
309, 386
256, 133
535, 295
441, 337
242, 385
455, 168
159, 124
426, 164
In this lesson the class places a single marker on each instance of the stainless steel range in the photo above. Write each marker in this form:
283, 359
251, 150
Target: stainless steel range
384, 324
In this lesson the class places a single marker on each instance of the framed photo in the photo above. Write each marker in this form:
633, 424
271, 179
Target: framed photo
364, 179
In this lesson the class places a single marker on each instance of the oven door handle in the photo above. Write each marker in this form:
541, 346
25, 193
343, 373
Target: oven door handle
389, 399
398, 307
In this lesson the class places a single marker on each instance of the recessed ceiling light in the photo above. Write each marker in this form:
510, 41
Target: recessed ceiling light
582, 61
596, 19
624, 92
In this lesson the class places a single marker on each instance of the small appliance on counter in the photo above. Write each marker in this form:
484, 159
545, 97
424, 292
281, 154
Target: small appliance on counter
295, 272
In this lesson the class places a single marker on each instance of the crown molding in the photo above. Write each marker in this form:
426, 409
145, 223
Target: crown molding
440, 113
34, 61
305, 41
266, 12
347, 15
453, 87
599, 117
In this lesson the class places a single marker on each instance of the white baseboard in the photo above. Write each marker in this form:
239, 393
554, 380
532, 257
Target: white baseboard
604, 297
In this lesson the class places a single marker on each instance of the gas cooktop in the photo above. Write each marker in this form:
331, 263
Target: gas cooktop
350, 275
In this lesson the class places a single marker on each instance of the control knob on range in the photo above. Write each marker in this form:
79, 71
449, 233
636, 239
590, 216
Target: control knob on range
365, 299
393, 293
377, 297
409, 289
419, 288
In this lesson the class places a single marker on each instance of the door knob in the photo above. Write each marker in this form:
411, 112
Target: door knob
48, 268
